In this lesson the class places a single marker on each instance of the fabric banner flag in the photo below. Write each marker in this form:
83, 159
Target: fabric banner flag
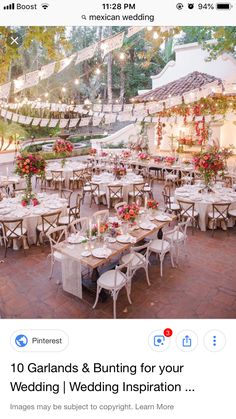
112, 43
154, 107
21, 119
86, 53
107, 108
133, 30
44, 122
19, 84
63, 123
15, 117
31, 79
125, 116
79, 109
9, 115
84, 122
28, 120
97, 121
65, 63
3, 113
128, 108
47, 71
53, 123
36, 122
97, 108
73, 122
117, 108
5, 90
139, 107
110, 118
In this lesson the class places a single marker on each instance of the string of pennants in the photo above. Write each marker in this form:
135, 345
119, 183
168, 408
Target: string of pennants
110, 113
33, 78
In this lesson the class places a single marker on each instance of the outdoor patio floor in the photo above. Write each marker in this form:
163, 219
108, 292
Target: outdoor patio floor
202, 286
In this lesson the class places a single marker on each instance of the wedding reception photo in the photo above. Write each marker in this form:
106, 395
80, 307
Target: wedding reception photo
117, 172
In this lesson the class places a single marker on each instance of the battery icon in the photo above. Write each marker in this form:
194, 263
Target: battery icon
223, 6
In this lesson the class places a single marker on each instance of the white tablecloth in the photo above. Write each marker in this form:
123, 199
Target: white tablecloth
203, 201
31, 215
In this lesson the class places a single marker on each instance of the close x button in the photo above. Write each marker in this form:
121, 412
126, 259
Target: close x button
14, 40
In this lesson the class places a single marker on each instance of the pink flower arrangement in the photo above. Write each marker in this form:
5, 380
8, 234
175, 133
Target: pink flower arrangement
29, 165
143, 156
209, 162
26, 201
119, 171
126, 154
104, 154
63, 147
158, 159
128, 213
169, 160
92, 151
152, 204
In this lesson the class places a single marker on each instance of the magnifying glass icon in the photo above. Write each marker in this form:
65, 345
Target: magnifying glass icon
83, 17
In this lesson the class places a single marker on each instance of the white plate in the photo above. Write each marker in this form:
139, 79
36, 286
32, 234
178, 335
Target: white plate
124, 238
147, 226
76, 239
111, 240
86, 254
162, 218
101, 253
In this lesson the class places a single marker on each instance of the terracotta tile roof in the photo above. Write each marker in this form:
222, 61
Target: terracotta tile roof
178, 87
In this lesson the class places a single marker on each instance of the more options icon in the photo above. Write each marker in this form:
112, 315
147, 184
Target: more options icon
214, 341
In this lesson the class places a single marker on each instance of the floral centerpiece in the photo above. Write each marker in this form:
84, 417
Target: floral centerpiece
63, 148
144, 156
104, 154
119, 171
209, 162
158, 159
98, 229
128, 213
28, 165
187, 162
126, 154
152, 204
92, 151
169, 160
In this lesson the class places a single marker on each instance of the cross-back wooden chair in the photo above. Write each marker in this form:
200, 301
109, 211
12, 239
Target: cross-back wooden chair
115, 193
13, 230
48, 221
219, 215
188, 211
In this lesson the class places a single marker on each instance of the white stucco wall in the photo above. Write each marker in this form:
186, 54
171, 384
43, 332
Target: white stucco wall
191, 57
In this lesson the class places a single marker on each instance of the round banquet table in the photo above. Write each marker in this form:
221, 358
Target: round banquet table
127, 182
11, 208
203, 201
67, 170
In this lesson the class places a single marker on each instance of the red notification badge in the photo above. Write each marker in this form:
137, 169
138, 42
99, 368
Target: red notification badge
168, 333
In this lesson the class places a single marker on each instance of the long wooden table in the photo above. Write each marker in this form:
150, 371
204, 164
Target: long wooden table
73, 259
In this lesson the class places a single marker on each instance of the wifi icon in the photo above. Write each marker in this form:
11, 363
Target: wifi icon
45, 6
